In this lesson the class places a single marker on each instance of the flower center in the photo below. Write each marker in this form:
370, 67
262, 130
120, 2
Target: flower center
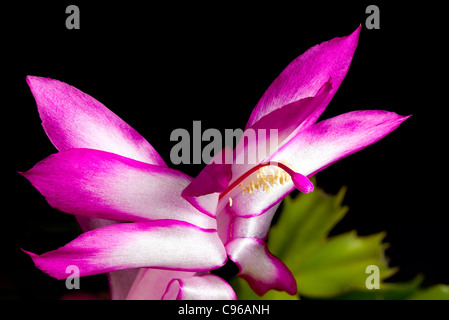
266, 178
267, 175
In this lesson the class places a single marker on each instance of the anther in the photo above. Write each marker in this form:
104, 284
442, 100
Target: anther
262, 177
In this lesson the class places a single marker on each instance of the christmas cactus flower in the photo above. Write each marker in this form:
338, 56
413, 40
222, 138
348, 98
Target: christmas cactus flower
137, 226
158, 232
244, 196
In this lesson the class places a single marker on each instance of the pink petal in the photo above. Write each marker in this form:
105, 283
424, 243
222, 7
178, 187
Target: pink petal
204, 287
105, 185
262, 270
273, 130
293, 117
257, 203
73, 119
151, 284
165, 244
120, 282
224, 222
330, 140
253, 227
204, 190
304, 76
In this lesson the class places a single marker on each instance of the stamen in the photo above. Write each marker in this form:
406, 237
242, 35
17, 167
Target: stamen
267, 175
266, 178
230, 201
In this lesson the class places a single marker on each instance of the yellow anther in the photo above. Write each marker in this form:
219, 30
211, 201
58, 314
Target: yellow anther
230, 201
266, 177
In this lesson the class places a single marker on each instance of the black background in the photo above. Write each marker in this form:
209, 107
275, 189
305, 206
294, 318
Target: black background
160, 67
